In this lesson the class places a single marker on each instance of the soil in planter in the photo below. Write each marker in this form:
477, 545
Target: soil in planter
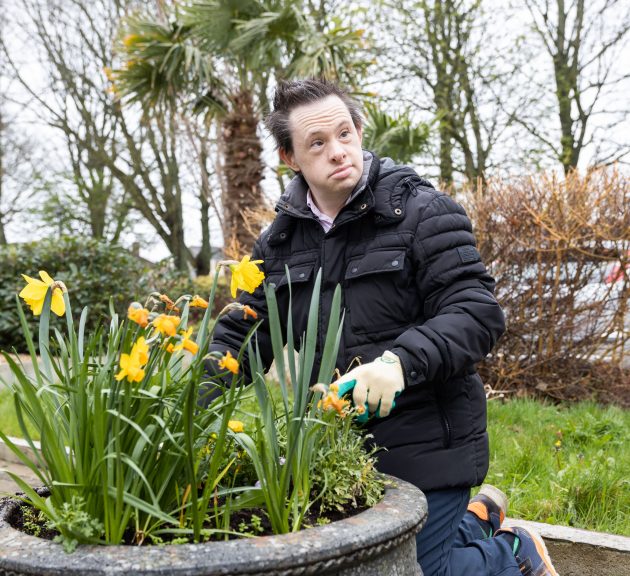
248, 522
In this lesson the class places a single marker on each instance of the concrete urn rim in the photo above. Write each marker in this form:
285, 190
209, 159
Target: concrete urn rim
399, 515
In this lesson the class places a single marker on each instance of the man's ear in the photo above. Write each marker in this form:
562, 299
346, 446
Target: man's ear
289, 159
360, 133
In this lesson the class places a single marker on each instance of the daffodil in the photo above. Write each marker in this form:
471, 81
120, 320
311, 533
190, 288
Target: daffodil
246, 275
34, 294
228, 362
198, 302
132, 364
249, 312
166, 325
235, 425
138, 315
187, 343
170, 305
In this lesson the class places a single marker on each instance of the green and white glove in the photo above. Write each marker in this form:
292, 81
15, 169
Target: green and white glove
374, 385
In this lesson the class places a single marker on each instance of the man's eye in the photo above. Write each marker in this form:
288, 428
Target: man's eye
316, 143
345, 133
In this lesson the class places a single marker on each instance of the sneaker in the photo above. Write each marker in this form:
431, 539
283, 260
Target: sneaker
530, 552
489, 505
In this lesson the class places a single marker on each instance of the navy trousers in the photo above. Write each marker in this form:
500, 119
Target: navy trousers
455, 542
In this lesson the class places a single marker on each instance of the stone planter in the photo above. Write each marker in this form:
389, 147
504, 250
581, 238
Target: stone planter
377, 542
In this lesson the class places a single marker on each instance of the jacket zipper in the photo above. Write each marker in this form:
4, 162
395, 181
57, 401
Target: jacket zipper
446, 425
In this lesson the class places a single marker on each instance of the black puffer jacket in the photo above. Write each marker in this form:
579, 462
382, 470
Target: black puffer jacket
413, 283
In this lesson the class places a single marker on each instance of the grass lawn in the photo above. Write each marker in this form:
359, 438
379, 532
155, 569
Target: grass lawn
567, 465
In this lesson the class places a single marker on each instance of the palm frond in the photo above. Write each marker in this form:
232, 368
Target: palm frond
397, 137
161, 63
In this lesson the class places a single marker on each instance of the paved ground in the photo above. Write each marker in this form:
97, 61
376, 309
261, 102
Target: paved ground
6, 484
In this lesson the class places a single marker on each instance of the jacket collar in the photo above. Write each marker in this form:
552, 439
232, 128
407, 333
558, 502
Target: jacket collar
380, 190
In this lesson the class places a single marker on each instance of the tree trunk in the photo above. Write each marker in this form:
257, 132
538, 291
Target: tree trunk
202, 261
243, 170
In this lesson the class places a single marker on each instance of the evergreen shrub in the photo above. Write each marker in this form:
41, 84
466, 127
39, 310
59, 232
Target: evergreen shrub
96, 271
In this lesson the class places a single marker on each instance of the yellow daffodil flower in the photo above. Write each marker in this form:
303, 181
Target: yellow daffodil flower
246, 275
166, 325
187, 343
132, 364
138, 315
198, 302
228, 362
34, 294
235, 425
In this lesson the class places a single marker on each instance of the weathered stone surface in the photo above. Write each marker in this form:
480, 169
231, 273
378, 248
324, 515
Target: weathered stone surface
576, 552
377, 542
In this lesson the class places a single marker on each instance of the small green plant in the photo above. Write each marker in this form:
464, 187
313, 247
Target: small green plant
75, 524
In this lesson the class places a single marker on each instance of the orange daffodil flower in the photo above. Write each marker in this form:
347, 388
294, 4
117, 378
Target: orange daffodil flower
34, 294
246, 275
132, 364
249, 313
228, 362
138, 315
198, 302
330, 399
170, 305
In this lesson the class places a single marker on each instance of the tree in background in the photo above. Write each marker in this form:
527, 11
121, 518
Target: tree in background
19, 176
221, 56
582, 40
441, 67
116, 161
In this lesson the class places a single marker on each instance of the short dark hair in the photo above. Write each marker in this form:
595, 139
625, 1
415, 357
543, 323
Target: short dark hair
293, 93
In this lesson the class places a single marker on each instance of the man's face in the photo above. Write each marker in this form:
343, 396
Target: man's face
326, 147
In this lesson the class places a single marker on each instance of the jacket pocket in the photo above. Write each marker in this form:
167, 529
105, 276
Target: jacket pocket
298, 274
379, 293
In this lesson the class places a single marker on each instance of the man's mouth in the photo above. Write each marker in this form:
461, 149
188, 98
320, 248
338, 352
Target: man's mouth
342, 171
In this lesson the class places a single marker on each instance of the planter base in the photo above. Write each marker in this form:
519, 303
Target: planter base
377, 542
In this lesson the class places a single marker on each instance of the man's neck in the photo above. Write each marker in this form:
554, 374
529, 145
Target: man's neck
329, 205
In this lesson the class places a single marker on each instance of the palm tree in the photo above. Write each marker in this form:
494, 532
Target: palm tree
218, 57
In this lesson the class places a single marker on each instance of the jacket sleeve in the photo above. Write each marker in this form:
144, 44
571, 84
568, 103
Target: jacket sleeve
463, 319
231, 329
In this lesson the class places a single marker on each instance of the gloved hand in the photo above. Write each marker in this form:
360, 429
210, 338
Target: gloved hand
374, 385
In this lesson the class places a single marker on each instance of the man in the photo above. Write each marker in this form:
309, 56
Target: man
420, 313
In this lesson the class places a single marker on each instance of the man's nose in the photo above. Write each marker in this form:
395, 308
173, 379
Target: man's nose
337, 152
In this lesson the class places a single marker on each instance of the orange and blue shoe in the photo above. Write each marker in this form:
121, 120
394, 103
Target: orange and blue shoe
490, 506
529, 550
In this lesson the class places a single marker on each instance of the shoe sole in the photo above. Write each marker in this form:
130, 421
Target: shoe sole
541, 548
497, 496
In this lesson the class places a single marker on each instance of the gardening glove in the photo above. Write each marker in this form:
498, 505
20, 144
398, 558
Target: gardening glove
374, 385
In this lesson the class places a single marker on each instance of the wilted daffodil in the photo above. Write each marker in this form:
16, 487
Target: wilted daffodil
246, 275
186, 343
170, 305
249, 312
132, 364
166, 325
136, 313
330, 399
228, 362
34, 294
198, 302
